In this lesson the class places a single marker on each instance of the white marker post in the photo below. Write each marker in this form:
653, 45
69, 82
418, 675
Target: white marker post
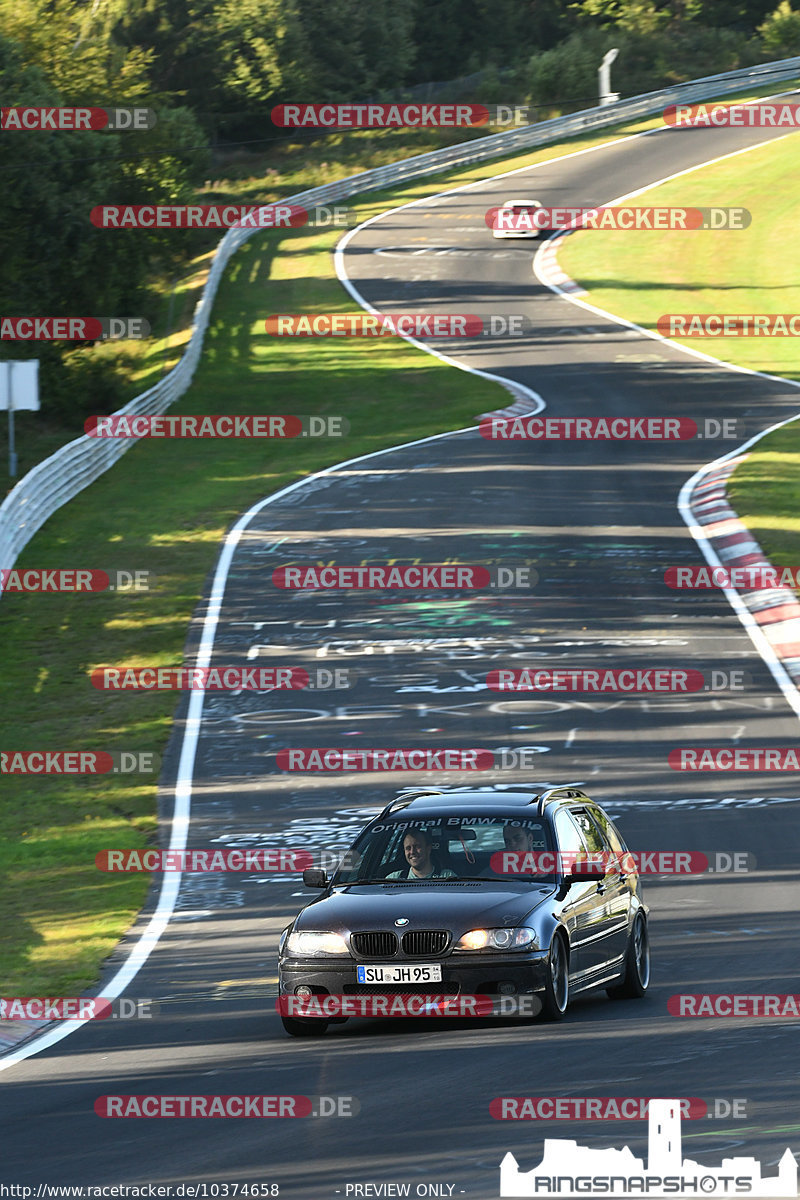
19, 391
604, 76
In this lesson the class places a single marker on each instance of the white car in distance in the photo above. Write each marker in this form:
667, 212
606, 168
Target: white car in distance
518, 227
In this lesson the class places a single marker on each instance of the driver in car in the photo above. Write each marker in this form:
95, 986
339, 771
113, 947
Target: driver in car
418, 849
518, 839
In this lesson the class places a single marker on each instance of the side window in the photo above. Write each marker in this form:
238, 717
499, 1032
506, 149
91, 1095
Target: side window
592, 835
569, 836
612, 834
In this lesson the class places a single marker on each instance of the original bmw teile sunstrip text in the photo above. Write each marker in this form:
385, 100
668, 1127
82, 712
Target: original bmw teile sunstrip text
568, 1170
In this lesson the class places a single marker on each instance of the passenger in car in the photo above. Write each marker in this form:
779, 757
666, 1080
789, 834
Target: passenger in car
418, 849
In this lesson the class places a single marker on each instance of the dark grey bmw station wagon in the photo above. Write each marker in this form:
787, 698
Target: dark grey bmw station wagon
473, 893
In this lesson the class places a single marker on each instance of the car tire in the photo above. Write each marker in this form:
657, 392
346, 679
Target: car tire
304, 1028
555, 998
637, 964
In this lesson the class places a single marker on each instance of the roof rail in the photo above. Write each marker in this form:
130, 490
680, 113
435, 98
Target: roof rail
407, 797
564, 792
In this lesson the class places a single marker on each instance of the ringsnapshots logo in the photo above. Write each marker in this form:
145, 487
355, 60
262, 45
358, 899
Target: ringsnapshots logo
48, 119
397, 576
537, 218
569, 1171
72, 329
720, 115
126, 425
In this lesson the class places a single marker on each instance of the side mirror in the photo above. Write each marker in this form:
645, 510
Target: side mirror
590, 872
315, 877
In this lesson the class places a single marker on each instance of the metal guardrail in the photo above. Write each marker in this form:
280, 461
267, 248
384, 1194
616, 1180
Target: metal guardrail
62, 476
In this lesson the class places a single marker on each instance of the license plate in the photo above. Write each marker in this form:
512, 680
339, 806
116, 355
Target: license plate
426, 973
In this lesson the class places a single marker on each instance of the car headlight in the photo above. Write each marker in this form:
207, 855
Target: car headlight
316, 943
518, 937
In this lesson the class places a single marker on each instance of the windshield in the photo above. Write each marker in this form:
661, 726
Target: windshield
457, 847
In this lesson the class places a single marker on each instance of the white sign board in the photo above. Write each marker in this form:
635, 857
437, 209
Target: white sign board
20, 381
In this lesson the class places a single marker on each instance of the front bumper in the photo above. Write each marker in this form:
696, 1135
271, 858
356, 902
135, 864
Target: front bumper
462, 975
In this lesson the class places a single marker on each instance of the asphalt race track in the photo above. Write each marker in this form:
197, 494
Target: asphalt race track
600, 524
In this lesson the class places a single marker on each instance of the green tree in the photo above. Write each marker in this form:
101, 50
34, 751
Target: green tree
780, 33
72, 45
55, 261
